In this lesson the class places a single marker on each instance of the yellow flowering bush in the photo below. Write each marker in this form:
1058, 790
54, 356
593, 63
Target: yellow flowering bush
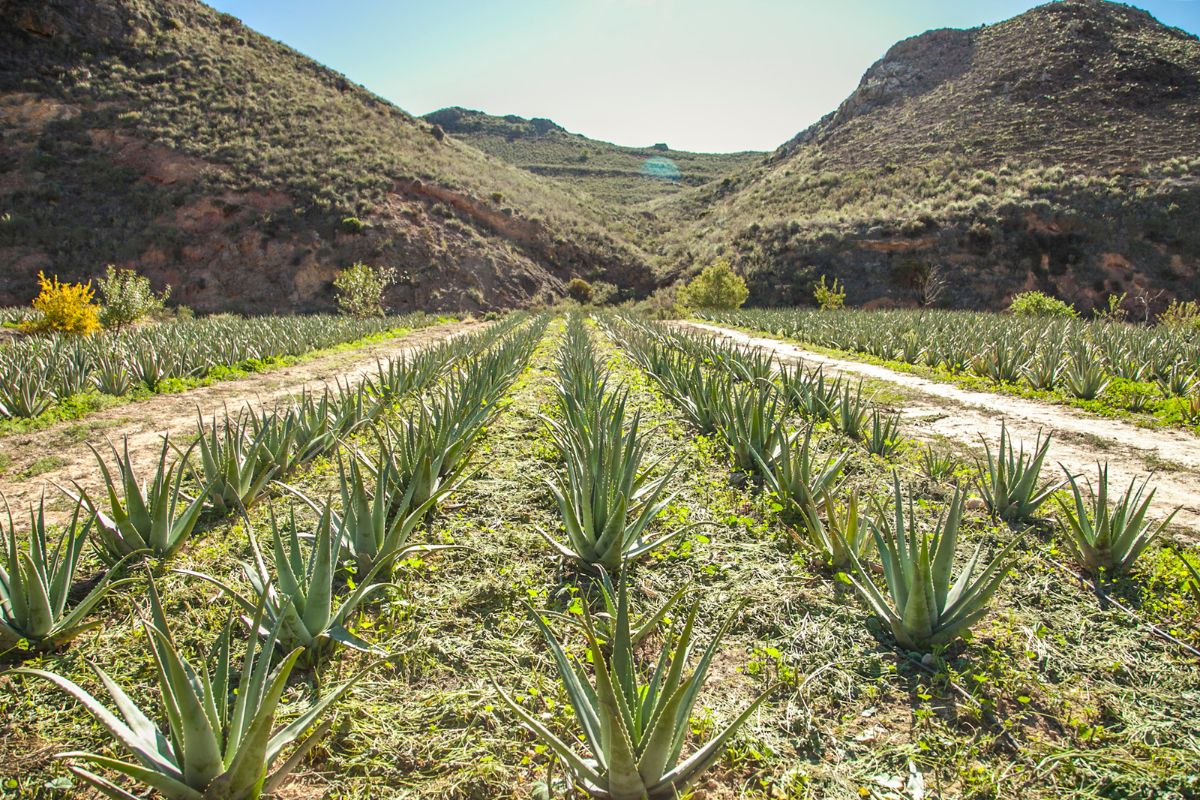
65, 307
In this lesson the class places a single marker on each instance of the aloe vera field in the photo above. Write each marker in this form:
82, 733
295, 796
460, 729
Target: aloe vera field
563, 554
610, 399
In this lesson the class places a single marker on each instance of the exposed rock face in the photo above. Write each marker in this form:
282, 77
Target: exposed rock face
161, 135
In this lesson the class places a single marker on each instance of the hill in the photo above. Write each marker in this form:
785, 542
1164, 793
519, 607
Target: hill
1057, 150
165, 135
618, 175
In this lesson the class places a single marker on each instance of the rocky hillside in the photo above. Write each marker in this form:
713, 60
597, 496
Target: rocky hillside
163, 135
619, 175
1058, 150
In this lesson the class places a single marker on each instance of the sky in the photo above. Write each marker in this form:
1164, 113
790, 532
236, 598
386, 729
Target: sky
701, 75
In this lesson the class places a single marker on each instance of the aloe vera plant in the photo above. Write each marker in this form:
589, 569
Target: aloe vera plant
810, 393
235, 464
299, 603
26, 394
218, 740
374, 527
36, 582
1105, 537
140, 518
606, 497
937, 465
1010, 480
1085, 376
635, 725
922, 603
850, 416
796, 475
884, 438
749, 417
841, 536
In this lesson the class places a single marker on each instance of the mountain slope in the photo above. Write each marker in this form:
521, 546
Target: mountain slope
164, 135
609, 172
1057, 150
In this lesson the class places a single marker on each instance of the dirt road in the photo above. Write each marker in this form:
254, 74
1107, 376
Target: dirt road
934, 410
60, 454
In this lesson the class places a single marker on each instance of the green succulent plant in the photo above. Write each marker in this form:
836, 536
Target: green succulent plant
1109, 537
605, 495
633, 722
36, 581
921, 602
218, 740
1010, 479
299, 597
157, 520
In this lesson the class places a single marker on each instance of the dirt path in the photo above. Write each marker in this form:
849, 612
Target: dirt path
937, 410
60, 454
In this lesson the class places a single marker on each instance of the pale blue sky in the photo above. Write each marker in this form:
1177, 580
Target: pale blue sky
705, 75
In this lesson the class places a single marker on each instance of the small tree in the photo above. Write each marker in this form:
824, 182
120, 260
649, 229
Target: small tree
128, 297
579, 290
829, 297
360, 290
65, 307
718, 286
1039, 304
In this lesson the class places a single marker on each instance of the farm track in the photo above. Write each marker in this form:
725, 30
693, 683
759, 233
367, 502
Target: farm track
145, 421
940, 411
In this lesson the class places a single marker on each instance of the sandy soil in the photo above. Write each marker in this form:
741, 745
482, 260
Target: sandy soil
145, 421
941, 411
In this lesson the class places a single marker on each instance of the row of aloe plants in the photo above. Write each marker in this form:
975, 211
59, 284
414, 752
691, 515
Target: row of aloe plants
37, 372
131, 519
1072, 358
737, 391
219, 738
921, 599
635, 714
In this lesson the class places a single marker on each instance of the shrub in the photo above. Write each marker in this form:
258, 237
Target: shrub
1181, 314
831, 297
353, 225
603, 293
1038, 304
1114, 310
128, 297
360, 290
579, 290
65, 307
718, 286
668, 302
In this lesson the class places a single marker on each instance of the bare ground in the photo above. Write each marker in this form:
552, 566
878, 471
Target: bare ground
939, 411
61, 454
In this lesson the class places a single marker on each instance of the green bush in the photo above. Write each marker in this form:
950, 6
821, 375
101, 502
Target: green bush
579, 290
718, 286
829, 297
127, 297
353, 225
603, 293
665, 303
1038, 304
360, 290
1182, 315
